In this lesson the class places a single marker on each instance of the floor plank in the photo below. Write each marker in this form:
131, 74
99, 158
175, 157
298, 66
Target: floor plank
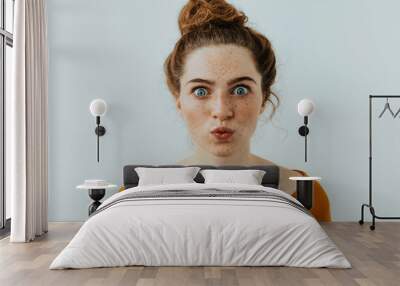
374, 255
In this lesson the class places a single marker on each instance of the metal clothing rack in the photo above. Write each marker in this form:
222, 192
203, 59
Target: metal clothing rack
370, 205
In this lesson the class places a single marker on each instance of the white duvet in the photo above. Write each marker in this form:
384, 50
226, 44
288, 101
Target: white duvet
200, 231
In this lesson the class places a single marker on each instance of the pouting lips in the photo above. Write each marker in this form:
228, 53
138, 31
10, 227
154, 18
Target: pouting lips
222, 133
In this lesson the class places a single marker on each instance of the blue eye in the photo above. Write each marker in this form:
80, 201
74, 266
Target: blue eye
240, 90
200, 92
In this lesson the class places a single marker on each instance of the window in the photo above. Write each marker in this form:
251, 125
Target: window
6, 44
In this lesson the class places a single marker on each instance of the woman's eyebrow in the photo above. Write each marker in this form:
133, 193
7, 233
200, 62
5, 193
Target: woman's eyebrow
242, 78
201, 81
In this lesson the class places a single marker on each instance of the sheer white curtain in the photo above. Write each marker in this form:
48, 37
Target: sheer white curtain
28, 123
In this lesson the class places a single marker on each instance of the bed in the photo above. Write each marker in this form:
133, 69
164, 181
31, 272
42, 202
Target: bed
201, 224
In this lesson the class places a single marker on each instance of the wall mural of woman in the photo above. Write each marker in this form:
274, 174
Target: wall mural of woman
220, 73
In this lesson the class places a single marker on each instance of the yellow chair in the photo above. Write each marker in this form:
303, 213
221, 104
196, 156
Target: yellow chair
321, 208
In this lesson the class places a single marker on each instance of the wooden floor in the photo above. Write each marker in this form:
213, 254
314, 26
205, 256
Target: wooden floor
375, 257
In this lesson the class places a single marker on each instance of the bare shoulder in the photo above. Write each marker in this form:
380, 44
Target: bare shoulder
285, 172
257, 160
285, 184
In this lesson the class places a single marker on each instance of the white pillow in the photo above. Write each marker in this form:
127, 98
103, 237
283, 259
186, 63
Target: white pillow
161, 176
248, 177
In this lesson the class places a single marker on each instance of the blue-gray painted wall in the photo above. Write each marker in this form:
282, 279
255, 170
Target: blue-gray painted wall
334, 52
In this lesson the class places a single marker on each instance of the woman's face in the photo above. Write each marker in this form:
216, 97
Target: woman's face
221, 98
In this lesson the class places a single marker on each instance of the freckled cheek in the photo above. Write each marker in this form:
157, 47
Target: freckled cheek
246, 115
195, 113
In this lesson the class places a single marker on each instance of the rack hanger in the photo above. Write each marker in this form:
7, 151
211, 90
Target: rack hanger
397, 113
387, 107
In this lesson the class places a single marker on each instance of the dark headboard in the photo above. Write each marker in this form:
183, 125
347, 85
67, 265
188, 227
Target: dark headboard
270, 179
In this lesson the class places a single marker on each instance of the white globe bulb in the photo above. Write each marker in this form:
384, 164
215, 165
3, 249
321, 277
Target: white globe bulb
98, 107
305, 107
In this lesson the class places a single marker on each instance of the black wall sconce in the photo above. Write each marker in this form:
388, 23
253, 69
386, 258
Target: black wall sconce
305, 107
98, 108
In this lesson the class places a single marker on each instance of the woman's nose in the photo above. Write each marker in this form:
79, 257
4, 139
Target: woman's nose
222, 107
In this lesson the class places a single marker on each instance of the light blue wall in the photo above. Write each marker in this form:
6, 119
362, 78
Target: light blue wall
334, 52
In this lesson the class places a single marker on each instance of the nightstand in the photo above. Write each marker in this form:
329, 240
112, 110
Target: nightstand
96, 193
304, 189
